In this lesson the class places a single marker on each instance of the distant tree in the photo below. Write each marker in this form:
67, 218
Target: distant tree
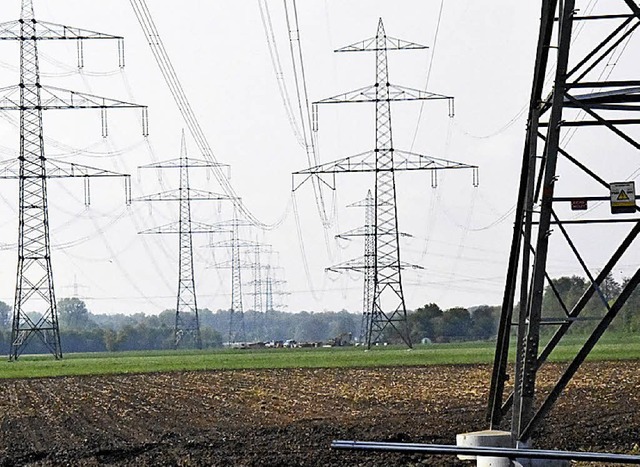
484, 322
314, 328
210, 337
5, 315
340, 323
426, 321
168, 317
629, 318
73, 314
610, 288
456, 323
569, 289
110, 338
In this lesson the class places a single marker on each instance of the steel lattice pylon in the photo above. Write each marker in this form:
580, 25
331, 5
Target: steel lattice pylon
389, 307
34, 281
257, 280
369, 269
269, 292
582, 101
187, 324
237, 331
365, 265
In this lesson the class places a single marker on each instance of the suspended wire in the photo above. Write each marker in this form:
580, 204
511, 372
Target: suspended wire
265, 15
303, 251
500, 130
66, 149
426, 84
152, 255
304, 109
71, 71
606, 70
154, 40
499, 220
461, 243
589, 8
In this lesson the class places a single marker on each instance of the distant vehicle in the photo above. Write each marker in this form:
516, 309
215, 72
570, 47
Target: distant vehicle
274, 344
344, 339
290, 344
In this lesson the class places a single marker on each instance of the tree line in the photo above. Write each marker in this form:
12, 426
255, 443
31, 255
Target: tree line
83, 331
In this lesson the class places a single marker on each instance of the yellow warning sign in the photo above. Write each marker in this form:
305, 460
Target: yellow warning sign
623, 197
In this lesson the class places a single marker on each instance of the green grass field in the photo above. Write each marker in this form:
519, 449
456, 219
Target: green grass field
609, 348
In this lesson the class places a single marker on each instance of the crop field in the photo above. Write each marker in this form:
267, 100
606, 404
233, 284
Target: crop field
610, 348
285, 406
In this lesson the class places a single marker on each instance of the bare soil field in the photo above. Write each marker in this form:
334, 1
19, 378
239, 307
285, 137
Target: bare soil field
290, 416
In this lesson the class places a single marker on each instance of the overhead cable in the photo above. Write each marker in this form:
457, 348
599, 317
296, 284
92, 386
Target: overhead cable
159, 52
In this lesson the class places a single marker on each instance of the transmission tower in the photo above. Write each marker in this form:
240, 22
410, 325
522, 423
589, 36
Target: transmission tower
269, 292
257, 268
389, 307
237, 332
34, 281
368, 263
187, 325
76, 287
366, 266
553, 213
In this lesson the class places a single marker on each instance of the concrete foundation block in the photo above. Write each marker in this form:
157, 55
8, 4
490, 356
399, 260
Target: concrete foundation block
486, 439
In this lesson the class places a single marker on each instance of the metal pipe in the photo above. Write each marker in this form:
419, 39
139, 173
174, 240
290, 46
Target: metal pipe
510, 453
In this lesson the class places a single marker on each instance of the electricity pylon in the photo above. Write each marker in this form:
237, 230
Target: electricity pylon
369, 231
34, 280
370, 328
237, 331
583, 102
269, 292
389, 307
257, 268
187, 324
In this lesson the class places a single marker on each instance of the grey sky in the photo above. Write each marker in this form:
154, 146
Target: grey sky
483, 56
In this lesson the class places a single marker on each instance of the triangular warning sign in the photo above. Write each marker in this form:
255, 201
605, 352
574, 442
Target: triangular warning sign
622, 196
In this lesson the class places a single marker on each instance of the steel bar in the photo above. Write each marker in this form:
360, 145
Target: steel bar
582, 354
495, 411
510, 453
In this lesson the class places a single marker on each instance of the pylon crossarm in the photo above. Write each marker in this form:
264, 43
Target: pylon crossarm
357, 232
359, 265
174, 228
179, 163
240, 244
52, 31
403, 160
371, 45
12, 30
58, 169
363, 162
369, 94
60, 99
10, 169
178, 195
229, 265
310, 176
363, 232
225, 226
54, 98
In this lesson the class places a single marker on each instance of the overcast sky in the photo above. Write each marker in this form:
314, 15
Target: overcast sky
483, 56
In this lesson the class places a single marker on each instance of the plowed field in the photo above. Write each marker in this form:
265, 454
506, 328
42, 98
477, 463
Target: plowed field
290, 416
